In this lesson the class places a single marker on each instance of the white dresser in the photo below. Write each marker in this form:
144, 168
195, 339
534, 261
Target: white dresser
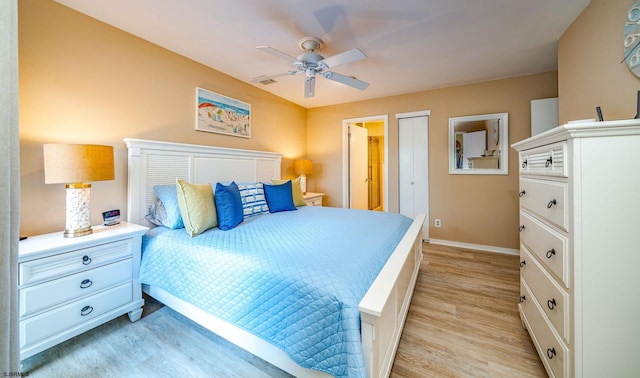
70, 285
580, 247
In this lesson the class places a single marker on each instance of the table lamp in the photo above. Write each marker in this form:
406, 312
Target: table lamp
74, 165
302, 168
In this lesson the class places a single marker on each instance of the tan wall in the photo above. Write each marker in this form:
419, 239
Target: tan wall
589, 70
478, 209
82, 81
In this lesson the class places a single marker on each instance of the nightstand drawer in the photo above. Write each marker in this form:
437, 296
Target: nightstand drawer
41, 327
40, 297
71, 262
315, 202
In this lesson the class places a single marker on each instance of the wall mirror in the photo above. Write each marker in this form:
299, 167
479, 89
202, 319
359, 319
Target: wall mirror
478, 145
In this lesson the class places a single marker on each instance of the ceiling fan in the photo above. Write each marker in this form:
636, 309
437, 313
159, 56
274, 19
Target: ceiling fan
311, 63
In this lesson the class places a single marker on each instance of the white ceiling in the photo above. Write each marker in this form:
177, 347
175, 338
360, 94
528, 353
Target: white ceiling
411, 45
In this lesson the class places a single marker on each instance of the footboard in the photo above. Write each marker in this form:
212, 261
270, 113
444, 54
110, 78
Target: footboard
384, 307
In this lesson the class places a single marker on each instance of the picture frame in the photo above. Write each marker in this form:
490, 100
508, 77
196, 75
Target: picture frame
220, 114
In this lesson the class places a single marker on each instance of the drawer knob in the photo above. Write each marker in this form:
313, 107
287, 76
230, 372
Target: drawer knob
521, 228
521, 194
550, 253
86, 283
524, 164
86, 260
551, 352
523, 263
86, 310
551, 303
522, 298
548, 162
551, 203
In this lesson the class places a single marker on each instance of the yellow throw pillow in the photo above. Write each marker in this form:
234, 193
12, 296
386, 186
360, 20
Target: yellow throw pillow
296, 191
197, 207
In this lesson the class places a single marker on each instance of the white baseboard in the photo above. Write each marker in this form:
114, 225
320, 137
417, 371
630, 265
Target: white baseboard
479, 247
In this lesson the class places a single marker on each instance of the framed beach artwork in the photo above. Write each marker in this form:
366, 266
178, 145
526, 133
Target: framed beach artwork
216, 113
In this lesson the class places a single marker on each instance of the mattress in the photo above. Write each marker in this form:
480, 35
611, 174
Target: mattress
293, 278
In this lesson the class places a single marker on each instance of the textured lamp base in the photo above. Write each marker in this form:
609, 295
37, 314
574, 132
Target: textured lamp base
78, 221
303, 183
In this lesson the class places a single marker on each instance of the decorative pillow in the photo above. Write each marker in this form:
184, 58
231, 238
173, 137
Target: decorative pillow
157, 214
279, 197
228, 205
253, 201
196, 206
296, 191
169, 197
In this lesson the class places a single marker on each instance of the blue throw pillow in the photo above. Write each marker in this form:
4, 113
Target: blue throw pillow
169, 197
228, 205
279, 197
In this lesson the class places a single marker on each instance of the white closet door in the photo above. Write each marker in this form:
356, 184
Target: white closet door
413, 174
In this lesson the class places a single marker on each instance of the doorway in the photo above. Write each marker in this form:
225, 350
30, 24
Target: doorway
365, 153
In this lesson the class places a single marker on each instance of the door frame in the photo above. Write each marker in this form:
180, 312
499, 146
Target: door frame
345, 157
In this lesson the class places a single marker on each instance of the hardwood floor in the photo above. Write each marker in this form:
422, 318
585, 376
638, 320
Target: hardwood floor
463, 322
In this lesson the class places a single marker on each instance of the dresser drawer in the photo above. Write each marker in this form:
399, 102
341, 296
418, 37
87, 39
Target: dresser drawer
550, 246
42, 296
553, 299
553, 352
549, 160
40, 327
547, 199
71, 262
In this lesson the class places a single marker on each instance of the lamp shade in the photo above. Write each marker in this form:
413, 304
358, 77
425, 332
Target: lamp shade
74, 163
302, 167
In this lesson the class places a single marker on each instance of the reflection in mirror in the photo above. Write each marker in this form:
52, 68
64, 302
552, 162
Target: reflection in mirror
479, 144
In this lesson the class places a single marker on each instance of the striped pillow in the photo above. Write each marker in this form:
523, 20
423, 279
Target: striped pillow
253, 200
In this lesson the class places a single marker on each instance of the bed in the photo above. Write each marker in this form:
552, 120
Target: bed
381, 311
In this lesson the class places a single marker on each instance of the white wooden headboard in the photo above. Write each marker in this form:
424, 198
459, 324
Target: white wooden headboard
160, 163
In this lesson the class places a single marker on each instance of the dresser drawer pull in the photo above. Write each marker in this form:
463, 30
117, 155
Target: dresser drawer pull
521, 194
550, 253
86, 260
86, 283
521, 228
551, 352
524, 164
551, 304
522, 298
548, 162
523, 263
551, 203
86, 310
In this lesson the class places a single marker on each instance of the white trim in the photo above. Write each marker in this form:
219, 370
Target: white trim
419, 113
478, 247
345, 157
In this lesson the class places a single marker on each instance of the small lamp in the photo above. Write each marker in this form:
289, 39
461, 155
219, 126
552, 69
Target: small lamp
74, 165
302, 168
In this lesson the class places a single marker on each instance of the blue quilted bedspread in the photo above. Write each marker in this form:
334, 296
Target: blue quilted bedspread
293, 278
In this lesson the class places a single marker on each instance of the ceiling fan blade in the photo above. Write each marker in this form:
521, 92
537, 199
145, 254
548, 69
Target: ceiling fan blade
342, 58
269, 77
278, 53
348, 80
309, 87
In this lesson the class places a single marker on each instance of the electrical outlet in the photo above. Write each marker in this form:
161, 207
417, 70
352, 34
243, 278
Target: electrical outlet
438, 223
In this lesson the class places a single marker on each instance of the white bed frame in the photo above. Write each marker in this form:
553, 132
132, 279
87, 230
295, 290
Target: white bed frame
382, 310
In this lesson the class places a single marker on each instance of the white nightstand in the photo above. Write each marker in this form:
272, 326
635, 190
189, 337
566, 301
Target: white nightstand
70, 285
313, 199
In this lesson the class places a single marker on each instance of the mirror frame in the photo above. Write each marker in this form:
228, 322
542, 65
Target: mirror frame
503, 144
